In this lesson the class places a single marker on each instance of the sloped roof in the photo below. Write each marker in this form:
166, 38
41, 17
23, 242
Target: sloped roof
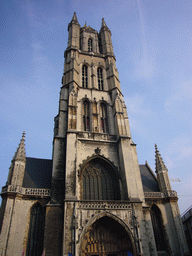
89, 29
38, 173
148, 178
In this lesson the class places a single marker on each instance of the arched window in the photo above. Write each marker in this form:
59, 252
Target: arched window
86, 116
90, 45
99, 182
103, 116
158, 229
100, 78
36, 231
84, 77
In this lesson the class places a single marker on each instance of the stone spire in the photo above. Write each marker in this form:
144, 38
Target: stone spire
162, 172
74, 33
159, 161
74, 19
17, 168
105, 35
103, 24
20, 153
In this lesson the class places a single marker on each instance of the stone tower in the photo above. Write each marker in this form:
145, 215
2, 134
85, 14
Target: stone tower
102, 202
95, 162
97, 182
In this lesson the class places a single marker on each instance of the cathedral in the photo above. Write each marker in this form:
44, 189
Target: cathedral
93, 198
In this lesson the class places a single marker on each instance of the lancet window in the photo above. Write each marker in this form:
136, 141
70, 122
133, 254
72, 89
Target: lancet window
84, 77
103, 116
86, 116
99, 182
158, 229
100, 78
90, 45
36, 231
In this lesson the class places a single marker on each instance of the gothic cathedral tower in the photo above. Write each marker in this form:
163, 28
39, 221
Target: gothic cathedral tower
95, 166
102, 202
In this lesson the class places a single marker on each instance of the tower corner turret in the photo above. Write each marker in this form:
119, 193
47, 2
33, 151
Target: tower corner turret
18, 163
162, 172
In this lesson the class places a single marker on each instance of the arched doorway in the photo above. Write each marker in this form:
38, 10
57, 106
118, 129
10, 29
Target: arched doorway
106, 237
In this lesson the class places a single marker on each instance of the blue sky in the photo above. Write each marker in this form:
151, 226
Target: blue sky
152, 43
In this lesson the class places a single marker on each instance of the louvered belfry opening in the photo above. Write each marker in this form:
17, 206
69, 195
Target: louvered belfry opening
99, 181
106, 237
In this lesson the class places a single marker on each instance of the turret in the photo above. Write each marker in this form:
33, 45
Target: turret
17, 168
74, 33
162, 172
105, 36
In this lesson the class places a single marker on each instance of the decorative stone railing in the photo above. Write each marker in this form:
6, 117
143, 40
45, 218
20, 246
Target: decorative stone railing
170, 193
105, 205
154, 195
96, 136
26, 191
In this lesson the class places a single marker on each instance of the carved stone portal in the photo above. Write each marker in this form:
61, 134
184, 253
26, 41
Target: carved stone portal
106, 237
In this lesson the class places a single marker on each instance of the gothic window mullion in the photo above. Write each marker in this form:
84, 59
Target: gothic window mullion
92, 188
84, 187
87, 194
104, 187
97, 185
109, 188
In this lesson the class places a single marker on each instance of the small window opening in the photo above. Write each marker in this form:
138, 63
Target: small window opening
90, 45
86, 119
84, 77
100, 78
103, 113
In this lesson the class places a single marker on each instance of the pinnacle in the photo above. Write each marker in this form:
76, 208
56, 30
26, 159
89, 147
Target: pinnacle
74, 20
85, 24
74, 17
159, 161
20, 153
103, 24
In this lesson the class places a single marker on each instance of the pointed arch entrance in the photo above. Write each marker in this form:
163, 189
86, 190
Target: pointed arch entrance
107, 237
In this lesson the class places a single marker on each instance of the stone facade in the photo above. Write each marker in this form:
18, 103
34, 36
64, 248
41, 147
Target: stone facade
101, 202
187, 224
